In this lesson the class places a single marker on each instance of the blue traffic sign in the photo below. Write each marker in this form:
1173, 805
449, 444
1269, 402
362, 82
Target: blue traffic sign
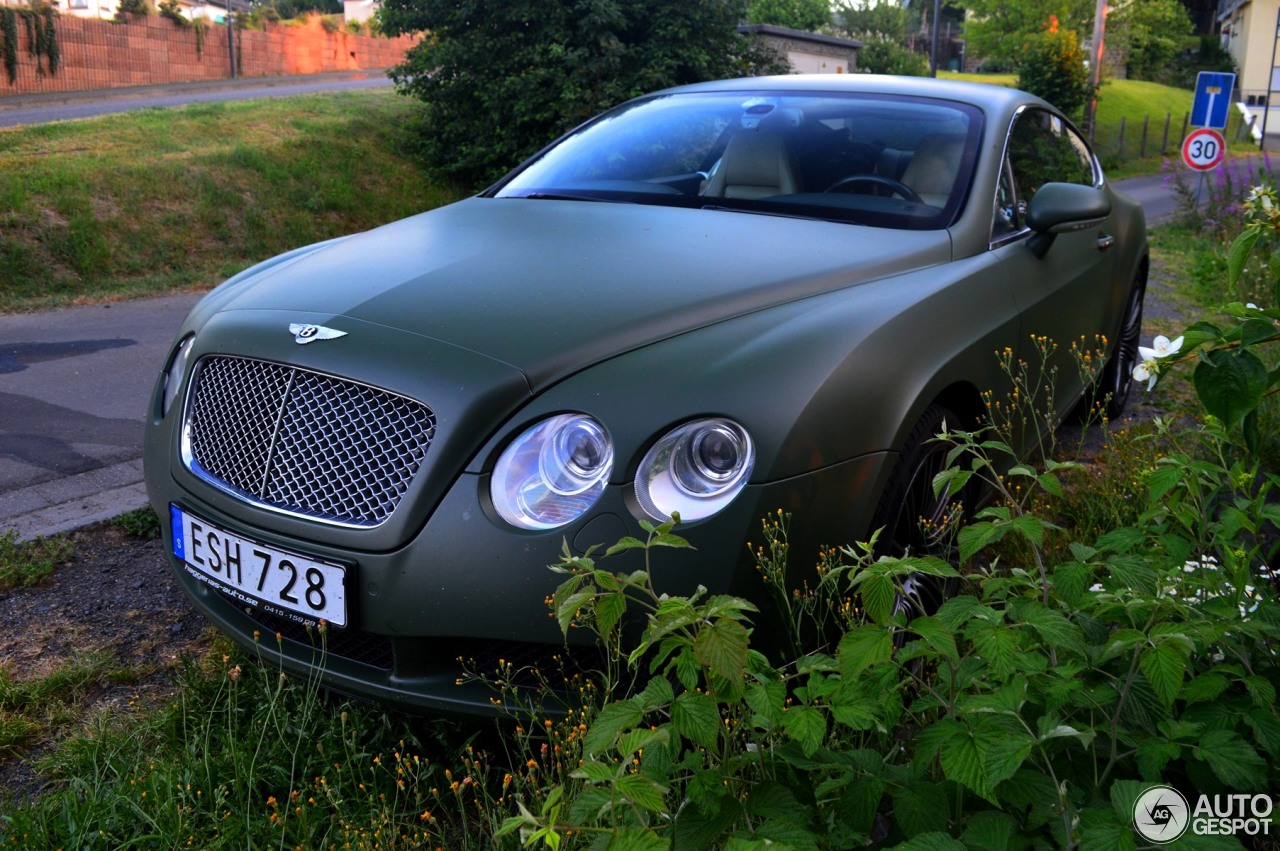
1213, 99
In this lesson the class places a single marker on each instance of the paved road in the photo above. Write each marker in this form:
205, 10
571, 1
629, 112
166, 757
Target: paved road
73, 391
74, 386
19, 110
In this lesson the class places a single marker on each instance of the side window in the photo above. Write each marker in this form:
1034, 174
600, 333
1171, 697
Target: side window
1043, 149
1006, 220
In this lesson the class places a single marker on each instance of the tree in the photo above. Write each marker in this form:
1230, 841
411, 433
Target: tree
884, 28
882, 56
1153, 33
1053, 68
501, 78
880, 18
807, 15
1001, 31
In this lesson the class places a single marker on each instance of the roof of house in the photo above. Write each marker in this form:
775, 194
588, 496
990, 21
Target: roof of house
798, 35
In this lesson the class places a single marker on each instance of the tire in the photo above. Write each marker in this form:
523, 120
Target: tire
1111, 390
914, 520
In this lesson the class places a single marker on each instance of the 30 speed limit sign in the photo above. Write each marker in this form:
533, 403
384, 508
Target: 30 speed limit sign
1203, 149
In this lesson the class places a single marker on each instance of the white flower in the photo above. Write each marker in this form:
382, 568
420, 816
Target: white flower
1146, 371
1161, 347
1252, 306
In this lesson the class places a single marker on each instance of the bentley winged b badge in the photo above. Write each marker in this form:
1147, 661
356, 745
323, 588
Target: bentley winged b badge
303, 334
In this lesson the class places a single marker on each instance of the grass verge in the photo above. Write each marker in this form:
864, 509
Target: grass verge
1136, 102
159, 200
23, 565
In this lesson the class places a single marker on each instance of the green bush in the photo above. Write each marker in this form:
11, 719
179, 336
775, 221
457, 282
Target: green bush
1053, 68
807, 15
1033, 707
881, 56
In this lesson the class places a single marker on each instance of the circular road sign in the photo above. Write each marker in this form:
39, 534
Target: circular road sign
1203, 149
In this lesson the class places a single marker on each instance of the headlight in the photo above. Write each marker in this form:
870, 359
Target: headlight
695, 470
553, 473
177, 369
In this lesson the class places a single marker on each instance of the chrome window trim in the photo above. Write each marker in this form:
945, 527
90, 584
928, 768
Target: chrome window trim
1099, 179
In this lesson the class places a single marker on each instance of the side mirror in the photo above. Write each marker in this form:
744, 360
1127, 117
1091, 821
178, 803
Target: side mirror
1063, 207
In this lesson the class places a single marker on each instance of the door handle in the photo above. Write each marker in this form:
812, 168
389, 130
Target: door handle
1105, 241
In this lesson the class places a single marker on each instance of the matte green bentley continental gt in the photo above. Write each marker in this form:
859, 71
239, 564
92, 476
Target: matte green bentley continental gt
719, 301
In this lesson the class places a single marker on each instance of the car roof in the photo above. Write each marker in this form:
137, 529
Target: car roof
990, 98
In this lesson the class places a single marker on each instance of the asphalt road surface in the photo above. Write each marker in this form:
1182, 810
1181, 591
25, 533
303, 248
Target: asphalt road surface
74, 386
38, 109
75, 383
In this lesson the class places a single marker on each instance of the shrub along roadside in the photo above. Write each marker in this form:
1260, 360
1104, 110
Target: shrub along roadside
1034, 706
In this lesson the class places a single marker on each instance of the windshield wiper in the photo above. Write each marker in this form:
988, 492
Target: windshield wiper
567, 196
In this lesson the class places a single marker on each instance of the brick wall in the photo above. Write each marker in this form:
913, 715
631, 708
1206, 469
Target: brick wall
153, 50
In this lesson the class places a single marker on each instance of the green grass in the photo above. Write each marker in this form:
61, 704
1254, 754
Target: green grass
140, 523
159, 200
240, 756
1133, 101
43, 707
24, 565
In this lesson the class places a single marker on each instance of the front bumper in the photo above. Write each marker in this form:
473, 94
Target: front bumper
468, 594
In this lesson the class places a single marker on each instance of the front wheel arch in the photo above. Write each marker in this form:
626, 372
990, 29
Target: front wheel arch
1110, 392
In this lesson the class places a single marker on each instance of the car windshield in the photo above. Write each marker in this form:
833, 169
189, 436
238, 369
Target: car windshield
893, 162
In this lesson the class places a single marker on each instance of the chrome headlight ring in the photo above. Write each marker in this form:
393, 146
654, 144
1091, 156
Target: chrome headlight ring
695, 470
553, 472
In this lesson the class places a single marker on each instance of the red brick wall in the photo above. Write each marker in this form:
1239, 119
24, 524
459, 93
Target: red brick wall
152, 50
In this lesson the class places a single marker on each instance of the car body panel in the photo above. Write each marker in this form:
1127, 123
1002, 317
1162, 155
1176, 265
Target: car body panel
608, 277
825, 340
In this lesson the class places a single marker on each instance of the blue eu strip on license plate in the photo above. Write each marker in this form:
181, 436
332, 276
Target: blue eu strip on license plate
277, 581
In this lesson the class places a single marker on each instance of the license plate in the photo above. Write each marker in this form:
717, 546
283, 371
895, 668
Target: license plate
277, 581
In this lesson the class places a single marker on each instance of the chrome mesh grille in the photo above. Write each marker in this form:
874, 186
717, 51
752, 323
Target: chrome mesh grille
303, 442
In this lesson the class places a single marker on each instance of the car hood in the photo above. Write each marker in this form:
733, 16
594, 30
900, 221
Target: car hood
550, 287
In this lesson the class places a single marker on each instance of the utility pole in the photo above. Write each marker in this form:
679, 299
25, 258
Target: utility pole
1271, 78
933, 44
1099, 37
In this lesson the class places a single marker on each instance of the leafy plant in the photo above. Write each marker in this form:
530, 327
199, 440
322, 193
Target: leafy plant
9, 37
808, 15
25, 564
1032, 707
172, 10
1053, 67
139, 8
1233, 376
140, 523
